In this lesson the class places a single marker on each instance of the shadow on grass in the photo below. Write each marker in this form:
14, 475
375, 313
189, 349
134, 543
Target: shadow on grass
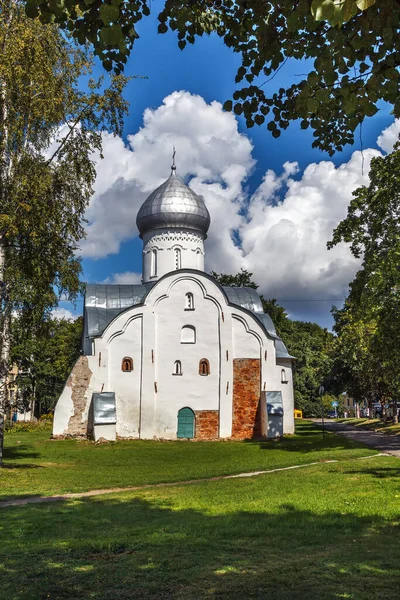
18, 452
308, 438
379, 473
112, 549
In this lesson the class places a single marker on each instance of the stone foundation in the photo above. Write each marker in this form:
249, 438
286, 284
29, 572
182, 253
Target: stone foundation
207, 424
246, 417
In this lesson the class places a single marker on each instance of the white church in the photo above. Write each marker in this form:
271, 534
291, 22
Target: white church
178, 356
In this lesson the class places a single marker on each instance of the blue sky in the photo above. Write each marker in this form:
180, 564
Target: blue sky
207, 69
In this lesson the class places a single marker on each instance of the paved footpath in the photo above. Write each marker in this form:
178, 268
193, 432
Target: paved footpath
389, 444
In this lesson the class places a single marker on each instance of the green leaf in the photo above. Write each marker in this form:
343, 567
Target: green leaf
364, 4
227, 106
312, 105
111, 35
32, 10
336, 12
109, 13
162, 28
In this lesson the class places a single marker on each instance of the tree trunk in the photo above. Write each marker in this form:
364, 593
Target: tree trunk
395, 417
370, 411
4, 361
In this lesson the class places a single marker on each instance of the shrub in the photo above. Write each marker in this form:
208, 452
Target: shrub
23, 426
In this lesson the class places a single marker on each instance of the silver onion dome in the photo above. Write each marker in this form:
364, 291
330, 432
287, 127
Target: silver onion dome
173, 205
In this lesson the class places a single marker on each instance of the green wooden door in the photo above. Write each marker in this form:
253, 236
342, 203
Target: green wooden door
185, 423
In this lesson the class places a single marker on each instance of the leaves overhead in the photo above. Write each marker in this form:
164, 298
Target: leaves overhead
348, 49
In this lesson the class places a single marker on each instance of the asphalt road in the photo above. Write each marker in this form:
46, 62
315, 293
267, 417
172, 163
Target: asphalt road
383, 442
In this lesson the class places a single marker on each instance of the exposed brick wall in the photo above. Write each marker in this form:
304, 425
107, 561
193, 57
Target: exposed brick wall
207, 422
246, 419
79, 382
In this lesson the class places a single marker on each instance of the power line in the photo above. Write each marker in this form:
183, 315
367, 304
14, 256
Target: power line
312, 300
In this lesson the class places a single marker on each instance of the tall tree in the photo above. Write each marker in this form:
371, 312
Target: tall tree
372, 228
44, 355
351, 48
49, 129
241, 279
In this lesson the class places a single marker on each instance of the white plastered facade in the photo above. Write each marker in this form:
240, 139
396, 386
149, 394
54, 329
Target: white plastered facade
149, 397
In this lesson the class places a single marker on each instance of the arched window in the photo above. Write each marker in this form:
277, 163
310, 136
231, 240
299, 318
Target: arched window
185, 423
204, 367
283, 376
177, 368
189, 305
199, 257
127, 364
188, 334
153, 266
177, 258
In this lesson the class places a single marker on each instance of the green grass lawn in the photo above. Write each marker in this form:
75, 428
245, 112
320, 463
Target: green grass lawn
325, 532
35, 464
372, 425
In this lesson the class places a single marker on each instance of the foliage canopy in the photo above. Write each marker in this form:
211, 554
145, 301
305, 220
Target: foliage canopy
348, 49
368, 326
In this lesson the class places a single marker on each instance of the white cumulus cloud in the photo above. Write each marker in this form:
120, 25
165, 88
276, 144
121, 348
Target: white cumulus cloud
63, 313
128, 277
389, 137
279, 232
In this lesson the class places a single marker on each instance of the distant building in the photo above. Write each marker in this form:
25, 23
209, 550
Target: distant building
351, 407
15, 409
178, 356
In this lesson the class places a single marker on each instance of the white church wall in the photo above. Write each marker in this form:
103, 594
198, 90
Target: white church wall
245, 343
198, 392
126, 343
72, 409
287, 392
63, 411
165, 251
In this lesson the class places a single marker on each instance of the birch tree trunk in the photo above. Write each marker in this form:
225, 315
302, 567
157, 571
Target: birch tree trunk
4, 363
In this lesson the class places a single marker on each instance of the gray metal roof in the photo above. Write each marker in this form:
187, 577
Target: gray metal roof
248, 298
245, 297
281, 350
105, 302
173, 205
